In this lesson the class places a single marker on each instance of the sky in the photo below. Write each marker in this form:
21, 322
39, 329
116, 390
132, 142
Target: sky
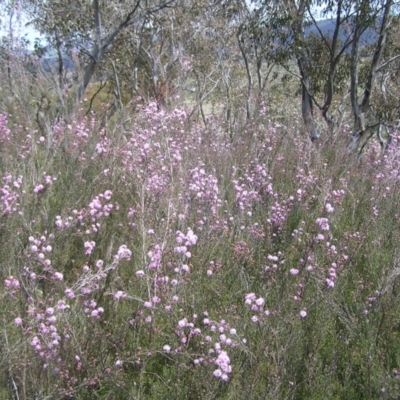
19, 28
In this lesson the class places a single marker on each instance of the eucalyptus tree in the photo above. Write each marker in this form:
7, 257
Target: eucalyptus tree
328, 59
386, 104
285, 21
380, 15
254, 42
91, 33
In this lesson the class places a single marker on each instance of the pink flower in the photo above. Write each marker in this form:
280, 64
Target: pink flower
11, 282
217, 373
38, 188
294, 271
186, 268
182, 323
62, 306
180, 249
69, 293
223, 362
329, 208
249, 298
59, 276
167, 348
330, 283
119, 295
191, 237
89, 246
260, 302
303, 313
18, 321
323, 224
59, 223
107, 194
123, 253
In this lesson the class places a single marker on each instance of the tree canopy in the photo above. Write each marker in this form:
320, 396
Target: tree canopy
342, 54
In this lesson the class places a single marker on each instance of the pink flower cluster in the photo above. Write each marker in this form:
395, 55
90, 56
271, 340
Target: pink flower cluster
203, 190
155, 257
9, 194
11, 284
257, 305
218, 336
98, 208
224, 367
185, 241
123, 253
89, 246
4, 130
323, 224
46, 340
47, 182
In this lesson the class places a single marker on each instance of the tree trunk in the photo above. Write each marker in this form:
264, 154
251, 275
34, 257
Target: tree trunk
360, 110
306, 98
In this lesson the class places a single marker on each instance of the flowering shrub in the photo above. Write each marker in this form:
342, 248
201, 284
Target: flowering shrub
163, 259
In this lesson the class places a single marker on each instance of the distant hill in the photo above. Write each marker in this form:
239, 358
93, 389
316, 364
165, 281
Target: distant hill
327, 27
49, 64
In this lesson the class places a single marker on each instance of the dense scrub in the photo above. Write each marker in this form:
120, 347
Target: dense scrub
158, 258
